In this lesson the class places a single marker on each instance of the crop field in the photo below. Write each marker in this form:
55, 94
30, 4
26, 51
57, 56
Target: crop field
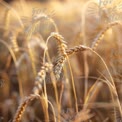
60, 60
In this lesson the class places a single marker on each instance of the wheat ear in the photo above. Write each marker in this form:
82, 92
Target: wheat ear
23, 105
102, 34
61, 47
61, 43
40, 77
14, 42
60, 61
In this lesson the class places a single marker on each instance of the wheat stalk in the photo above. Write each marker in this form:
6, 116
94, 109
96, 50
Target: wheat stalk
39, 80
112, 81
15, 63
13, 11
7, 19
61, 51
36, 21
59, 65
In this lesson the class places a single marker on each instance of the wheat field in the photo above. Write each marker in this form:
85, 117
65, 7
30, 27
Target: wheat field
61, 61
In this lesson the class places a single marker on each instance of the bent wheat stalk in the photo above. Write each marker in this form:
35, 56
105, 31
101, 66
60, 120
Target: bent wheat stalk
61, 51
13, 12
112, 81
31, 30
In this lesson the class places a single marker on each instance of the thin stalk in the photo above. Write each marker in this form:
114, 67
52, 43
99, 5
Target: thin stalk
16, 65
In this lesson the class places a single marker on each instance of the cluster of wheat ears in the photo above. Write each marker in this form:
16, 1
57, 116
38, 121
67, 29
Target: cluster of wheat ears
53, 71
